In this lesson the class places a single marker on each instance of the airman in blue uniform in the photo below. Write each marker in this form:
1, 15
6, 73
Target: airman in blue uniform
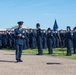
24, 43
27, 39
69, 41
54, 39
57, 39
49, 41
19, 34
62, 36
44, 39
74, 40
0, 40
9, 35
13, 40
4, 39
39, 39
32, 39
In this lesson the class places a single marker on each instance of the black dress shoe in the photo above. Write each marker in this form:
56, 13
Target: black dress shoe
68, 55
17, 61
39, 54
20, 61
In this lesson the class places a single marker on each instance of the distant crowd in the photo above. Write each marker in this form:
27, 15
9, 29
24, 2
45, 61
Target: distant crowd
50, 39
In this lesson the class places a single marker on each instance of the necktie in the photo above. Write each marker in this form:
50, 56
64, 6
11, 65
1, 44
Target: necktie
20, 29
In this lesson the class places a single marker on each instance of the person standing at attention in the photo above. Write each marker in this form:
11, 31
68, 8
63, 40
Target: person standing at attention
39, 39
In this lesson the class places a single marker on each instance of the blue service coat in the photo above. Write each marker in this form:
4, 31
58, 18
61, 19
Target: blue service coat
18, 39
69, 42
50, 42
39, 41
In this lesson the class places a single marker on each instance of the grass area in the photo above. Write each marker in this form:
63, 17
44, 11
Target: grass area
59, 52
56, 51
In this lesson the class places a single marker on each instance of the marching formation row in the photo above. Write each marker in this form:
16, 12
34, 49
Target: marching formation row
41, 39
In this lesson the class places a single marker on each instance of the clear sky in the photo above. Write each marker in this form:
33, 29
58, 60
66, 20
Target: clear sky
38, 11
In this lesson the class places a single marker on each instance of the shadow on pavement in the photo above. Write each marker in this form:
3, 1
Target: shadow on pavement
8, 61
53, 63
22, 54
9, 54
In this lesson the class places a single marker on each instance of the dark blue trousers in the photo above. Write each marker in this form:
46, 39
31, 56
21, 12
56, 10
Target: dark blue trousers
69, 47
74, 46
50, 50
18, 52
39, 43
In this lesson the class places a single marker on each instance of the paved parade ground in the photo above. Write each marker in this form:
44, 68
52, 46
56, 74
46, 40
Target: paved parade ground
35, 65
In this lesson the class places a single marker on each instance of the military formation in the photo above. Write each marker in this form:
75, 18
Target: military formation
22, 39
